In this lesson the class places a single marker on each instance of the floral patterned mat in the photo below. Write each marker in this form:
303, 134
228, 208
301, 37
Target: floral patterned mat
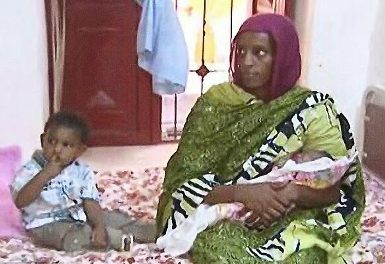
137, 195
371, 246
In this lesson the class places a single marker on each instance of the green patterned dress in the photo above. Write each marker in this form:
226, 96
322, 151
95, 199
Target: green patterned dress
231, 136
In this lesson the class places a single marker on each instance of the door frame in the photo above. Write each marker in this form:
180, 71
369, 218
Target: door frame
48, 22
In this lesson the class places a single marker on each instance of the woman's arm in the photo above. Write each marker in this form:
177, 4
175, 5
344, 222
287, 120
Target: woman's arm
306, 197
222, 194
264, 202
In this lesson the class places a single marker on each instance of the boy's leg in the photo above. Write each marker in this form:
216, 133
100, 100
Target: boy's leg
78, 237
70, 237
142, 232
116, 219
50, 235
118, 240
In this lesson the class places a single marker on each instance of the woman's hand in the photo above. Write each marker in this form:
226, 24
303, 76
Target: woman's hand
265, 203
99, 238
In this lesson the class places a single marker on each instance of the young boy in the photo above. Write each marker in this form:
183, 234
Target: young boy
58, 196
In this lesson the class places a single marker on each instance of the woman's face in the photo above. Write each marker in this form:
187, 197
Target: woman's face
254, 59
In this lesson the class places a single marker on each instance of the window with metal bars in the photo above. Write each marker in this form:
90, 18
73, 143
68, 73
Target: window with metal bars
209, 26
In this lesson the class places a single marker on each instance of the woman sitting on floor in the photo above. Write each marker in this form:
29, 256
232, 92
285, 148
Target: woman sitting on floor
236, 131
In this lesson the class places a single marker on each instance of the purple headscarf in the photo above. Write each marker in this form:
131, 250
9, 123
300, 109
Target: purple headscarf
287, 58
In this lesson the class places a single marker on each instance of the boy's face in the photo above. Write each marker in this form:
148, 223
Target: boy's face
63, 144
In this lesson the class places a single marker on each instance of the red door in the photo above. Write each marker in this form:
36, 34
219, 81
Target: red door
102, 80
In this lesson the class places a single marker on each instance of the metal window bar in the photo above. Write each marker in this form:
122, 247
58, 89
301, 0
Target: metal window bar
175, 134
202, 71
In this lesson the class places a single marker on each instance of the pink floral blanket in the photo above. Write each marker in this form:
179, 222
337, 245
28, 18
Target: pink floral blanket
136, 193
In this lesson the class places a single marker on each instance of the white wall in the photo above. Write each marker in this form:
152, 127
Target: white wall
339, 49
23, 73
376, 71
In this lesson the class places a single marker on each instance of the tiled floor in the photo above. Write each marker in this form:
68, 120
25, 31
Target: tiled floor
128, 157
